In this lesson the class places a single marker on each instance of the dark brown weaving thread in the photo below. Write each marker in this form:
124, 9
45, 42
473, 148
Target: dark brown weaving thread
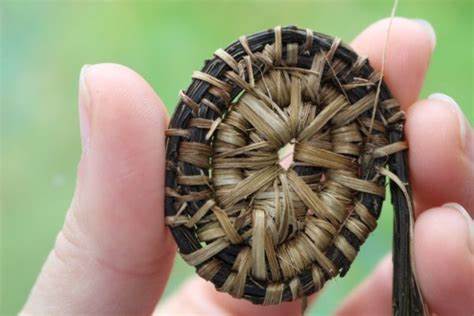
253, 227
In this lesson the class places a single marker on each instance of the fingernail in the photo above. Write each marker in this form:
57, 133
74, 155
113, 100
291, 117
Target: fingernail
84, 109
429, 30
466, 137
469, 222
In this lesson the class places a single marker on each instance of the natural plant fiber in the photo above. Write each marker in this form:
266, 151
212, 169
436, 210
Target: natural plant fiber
274, 160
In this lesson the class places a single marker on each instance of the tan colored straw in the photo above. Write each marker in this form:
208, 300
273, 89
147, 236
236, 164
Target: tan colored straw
276, 165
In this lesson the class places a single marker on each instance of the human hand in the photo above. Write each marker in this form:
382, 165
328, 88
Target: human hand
114, 254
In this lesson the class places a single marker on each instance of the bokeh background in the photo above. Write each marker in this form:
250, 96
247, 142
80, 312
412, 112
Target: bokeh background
44, 44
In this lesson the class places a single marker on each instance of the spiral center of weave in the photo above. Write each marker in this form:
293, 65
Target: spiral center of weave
280, 156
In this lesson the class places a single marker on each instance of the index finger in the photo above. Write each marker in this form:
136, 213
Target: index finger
408, 53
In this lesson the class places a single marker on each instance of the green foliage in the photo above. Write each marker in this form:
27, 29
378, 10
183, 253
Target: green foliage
44, 45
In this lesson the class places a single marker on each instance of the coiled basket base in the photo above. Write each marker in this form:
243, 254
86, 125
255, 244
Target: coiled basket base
273, 160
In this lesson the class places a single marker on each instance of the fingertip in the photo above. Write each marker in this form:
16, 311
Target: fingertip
409, 50
117, 106
115, 85
402, 31
440, 169
444, 261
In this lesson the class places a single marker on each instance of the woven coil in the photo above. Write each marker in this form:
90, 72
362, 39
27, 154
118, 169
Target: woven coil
273, 160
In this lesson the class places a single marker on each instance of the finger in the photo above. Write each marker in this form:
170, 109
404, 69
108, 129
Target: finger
202, 299
113, 254
441, 161
409, 49
444, 253
445, 273
441, 154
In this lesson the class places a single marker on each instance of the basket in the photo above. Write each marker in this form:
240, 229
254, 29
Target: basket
275, 155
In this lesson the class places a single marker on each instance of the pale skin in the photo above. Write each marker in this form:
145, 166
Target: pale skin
114, 253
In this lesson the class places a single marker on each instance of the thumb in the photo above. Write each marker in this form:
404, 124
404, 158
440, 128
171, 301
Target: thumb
113, 254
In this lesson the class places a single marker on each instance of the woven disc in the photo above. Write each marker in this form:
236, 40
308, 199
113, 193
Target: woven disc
273, 160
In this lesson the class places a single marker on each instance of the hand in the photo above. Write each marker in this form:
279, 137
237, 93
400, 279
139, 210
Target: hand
114, 254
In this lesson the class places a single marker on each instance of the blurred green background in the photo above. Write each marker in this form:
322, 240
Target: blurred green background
44, 45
